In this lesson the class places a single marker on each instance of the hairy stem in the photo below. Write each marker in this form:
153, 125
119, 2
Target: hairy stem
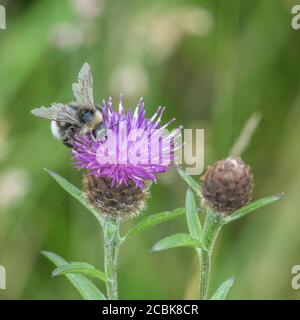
111, 250
213, 224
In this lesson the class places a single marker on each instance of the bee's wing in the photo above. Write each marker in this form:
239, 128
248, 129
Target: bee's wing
83, 89
58, 112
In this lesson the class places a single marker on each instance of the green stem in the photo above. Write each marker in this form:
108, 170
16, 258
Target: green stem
213, 224
112, 243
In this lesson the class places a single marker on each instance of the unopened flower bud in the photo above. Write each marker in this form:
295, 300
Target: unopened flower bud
115, 201
227, 185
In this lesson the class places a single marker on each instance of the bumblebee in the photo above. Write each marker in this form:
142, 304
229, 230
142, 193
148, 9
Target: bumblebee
79, 117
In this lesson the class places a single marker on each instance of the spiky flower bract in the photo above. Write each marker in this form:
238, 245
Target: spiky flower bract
122, 201
135, 148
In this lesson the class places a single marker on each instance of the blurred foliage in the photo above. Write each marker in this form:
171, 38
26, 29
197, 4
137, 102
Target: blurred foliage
212, 63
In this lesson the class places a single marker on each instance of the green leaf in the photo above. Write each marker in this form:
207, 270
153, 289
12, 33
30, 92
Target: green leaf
74, 192
175, 241
244, 139
85, 287
154, 220
190, 181
223, 290
252, 206
193, 221
81, 268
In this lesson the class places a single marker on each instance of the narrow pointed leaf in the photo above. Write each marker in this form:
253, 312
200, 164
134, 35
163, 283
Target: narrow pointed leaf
192, 217
190, 181
74, 192
85, 287
175, 241
252, 207
244, 139
154, 220
80, 268
223, 290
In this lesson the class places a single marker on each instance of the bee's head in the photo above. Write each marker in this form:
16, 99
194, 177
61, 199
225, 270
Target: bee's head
90, 119
86, 116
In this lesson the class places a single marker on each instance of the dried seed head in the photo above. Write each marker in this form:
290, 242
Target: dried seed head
117, 201
227, 185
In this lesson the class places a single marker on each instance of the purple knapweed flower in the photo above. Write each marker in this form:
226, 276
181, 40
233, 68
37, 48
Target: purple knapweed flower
133, 148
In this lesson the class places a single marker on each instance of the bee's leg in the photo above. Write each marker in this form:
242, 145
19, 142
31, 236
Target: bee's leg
99, 107
68, 136
100, 131
67, 143
101, 134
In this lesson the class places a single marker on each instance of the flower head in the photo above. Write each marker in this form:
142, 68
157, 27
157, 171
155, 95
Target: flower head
227, 185
133, 148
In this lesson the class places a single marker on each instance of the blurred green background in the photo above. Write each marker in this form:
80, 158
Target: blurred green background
212, 63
